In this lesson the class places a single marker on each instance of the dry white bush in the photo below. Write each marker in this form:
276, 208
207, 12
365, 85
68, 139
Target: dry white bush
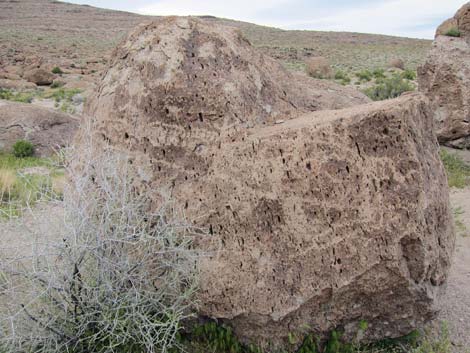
117, 278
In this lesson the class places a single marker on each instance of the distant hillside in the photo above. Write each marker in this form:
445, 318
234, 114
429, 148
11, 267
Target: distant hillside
58, 31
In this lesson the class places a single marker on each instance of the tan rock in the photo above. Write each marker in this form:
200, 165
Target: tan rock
460, 22
40, 77
318, 220
397, 64
47, 129
447, 26
194, 73
16, 84
445, 79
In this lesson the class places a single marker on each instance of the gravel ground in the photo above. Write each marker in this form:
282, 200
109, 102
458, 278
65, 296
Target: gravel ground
456, 304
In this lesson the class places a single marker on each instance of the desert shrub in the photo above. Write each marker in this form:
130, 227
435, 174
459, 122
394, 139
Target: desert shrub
340, 75
453, 32
318, 67
409, 74
364, 75
21, 97
389, 88
343, 77
119, 278
379, 73
62, 94
458, 173
22, 149
57, 70
5, 94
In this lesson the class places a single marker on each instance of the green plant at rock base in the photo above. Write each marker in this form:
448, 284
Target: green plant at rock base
309, 345
22, 149
458, 173
218, 338
453, 32
389, 88
57, 70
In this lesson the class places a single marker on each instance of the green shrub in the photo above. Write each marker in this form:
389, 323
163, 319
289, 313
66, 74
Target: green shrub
57, 70
379, 73
453, 32
61, 93
341, 75
22, 97
22, 149
364, 75
409, 74
389, 88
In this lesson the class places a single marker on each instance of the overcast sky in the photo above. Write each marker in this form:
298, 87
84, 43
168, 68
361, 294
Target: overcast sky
409, 18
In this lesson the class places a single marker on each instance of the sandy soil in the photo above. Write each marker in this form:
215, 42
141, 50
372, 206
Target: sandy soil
456, 304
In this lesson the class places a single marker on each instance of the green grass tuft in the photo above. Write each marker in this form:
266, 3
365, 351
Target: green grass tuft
458, 173
19, 189
453, 32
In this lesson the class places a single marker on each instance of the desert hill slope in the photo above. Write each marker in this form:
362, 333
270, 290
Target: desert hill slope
60, 31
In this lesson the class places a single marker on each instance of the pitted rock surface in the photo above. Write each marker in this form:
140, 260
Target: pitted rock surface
445, 79
318, 219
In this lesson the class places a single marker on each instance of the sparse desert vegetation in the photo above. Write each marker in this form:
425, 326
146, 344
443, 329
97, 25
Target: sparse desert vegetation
278, 214
117, 278
458, 172
389, 87
25, 181
61, 98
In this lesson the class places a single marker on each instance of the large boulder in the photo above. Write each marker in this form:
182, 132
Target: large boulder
318, 220
190, 73
46, 129
39, 76
445, 79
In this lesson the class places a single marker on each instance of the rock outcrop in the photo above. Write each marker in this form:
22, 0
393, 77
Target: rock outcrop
320, 219
460, 22
46, 129
445, 79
